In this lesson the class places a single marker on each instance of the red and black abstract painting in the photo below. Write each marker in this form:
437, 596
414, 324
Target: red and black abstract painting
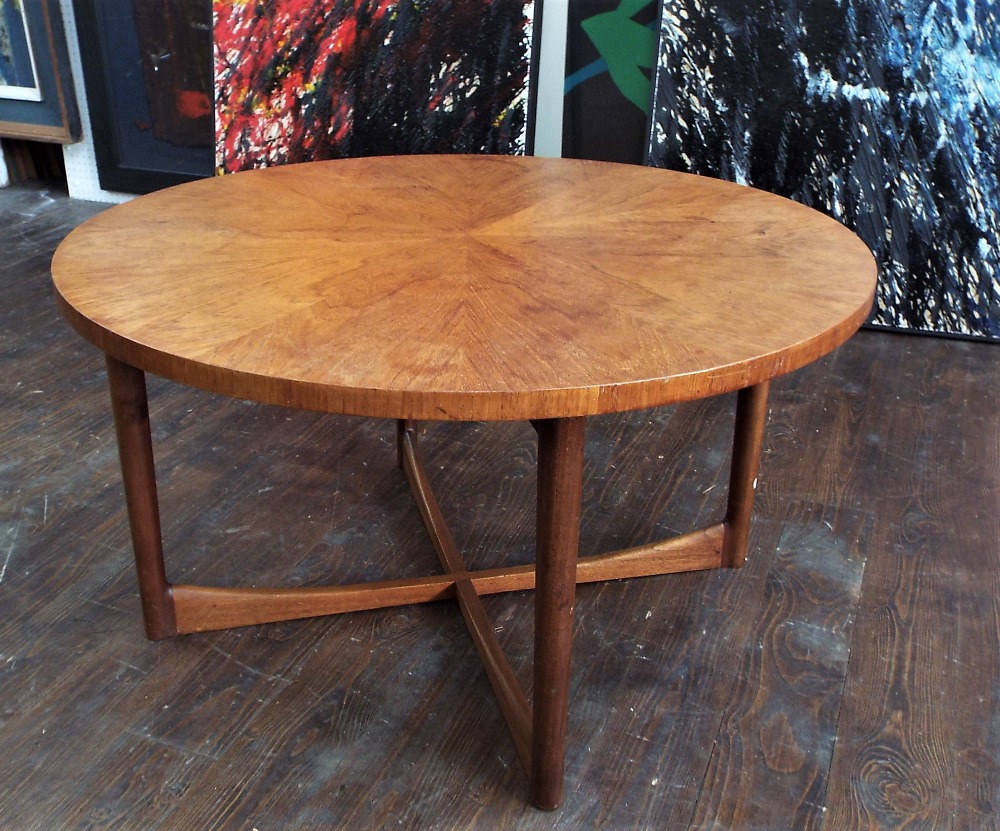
304, 80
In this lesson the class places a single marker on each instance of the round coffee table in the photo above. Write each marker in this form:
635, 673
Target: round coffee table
461, 288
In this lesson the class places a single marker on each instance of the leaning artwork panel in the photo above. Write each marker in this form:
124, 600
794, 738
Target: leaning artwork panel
882, 113
303, 80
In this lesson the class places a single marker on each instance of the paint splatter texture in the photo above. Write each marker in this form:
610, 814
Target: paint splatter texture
883, 113
301, 80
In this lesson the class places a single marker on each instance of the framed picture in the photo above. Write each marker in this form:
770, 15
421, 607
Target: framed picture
148, 72
18, 75
36, 89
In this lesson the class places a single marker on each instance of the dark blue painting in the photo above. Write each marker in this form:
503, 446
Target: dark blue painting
882, 113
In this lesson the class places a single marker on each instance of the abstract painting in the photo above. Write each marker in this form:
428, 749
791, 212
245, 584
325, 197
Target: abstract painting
610, 55
301, 80
882, 113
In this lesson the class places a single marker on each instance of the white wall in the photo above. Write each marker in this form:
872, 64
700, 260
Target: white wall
551, 79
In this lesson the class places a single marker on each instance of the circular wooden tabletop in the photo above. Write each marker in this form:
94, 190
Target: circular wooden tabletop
464, 287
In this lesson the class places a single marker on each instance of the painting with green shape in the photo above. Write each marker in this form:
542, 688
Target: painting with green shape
610, 54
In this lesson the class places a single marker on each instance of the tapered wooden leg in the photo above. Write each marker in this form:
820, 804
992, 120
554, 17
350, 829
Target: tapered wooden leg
135, 451
402, 425
751, 417
560, 478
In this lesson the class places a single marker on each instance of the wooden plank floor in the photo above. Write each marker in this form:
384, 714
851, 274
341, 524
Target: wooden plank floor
848, 677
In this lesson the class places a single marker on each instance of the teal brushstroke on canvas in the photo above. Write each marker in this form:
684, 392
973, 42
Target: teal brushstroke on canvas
626, 49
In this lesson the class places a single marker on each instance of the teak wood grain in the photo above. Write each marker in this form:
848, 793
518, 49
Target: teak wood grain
449, 287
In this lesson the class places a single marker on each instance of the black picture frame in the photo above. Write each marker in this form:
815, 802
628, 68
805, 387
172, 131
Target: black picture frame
54, 118
130, 157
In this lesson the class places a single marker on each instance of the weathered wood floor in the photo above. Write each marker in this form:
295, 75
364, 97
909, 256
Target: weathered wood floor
848, 677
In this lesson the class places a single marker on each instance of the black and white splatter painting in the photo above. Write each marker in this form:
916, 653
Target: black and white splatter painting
882, 113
